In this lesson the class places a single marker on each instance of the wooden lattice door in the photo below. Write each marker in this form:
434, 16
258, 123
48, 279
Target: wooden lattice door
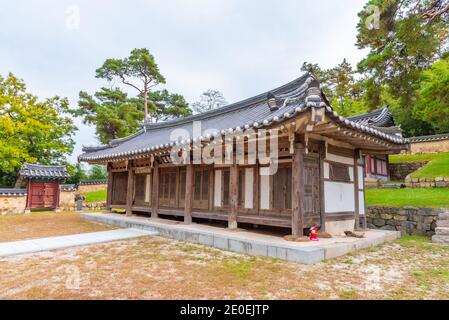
312, 186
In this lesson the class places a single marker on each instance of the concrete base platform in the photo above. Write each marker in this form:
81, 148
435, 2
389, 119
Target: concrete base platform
73, 240
249, 242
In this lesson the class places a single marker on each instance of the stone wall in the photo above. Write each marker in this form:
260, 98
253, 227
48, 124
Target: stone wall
429, 146
67, 200
84, 188
408, 220
427, 182
400, 171
12, 204
95, 206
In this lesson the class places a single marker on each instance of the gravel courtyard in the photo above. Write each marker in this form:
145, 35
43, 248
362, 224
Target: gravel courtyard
159, 268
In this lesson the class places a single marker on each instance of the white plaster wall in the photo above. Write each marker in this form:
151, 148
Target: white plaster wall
361, 203
336, 228
147, 187
341, 159
361, 182
326, 173
217, 188
264, 192
351, 173
339, 197
249, 186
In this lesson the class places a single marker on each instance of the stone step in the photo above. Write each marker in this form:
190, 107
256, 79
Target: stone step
443, 216
442, 231
440, 239
443, 223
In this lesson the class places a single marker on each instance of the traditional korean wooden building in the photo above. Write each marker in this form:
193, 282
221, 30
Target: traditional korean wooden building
318, 160
376, 165
42, 185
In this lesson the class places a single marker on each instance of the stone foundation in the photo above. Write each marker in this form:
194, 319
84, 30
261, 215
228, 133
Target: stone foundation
408, 220
338, 228
400, 171
427, 182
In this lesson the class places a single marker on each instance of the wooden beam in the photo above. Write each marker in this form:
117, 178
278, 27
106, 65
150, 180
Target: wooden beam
356, 188
109, 190
322, 196
130, 189
155, 190
188, 194
233, 195
298, 191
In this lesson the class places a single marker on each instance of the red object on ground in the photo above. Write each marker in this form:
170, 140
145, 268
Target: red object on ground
314, 234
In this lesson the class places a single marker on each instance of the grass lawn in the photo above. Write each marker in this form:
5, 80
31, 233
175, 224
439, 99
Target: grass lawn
437, 167
96, 196
45, 224
422, 198
159, 268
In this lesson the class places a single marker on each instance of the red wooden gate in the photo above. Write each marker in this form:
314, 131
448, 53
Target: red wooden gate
43, 194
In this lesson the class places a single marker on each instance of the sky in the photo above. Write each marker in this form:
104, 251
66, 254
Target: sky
239, 47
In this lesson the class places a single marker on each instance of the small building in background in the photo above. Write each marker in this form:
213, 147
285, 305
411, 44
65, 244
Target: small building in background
376, 165
43, 183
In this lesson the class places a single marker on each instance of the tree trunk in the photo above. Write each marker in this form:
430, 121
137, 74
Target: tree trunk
145, 103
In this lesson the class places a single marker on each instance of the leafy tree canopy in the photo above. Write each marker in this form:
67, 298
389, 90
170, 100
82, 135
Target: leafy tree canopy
31, 130
114, 113
138, 71
406, 39
433, 96
209, 100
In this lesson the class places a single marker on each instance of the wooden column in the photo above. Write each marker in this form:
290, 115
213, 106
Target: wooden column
189, 194
322, 196
155, 190
109, 190
356, 189
298, 190
233, 195
130, 189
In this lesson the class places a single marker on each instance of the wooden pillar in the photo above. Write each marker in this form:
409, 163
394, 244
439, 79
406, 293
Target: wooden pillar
356, 189
233, 195
322, 196
155, 190
130, 189
109, 190
298, 190
189, 194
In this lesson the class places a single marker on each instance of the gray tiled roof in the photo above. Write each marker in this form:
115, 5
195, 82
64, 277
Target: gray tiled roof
435, 137
379, 118
95, 181
68, 187
292, 98
12, 192
40, 171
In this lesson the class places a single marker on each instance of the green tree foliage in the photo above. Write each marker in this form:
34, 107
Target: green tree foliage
114, 113
111, 111
98, 172
77, 173
209, 100
166, 105
433, 96
140, 66
31, 130
339, 84
408, 36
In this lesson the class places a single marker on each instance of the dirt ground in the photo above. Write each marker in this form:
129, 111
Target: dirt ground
44, 224
159, 268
